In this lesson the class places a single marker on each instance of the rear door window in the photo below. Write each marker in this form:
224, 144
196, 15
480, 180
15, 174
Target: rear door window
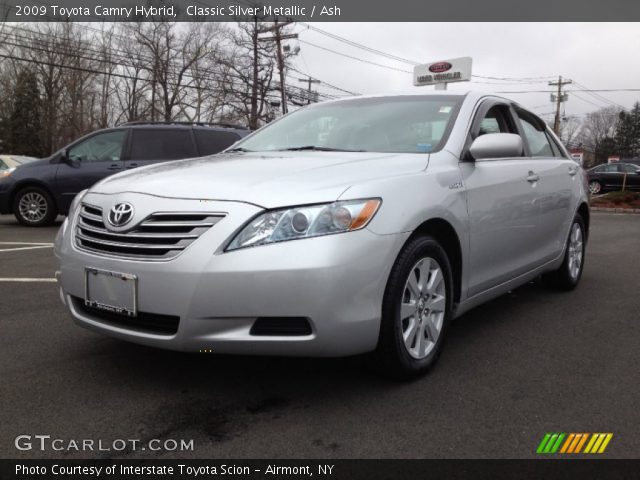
626, 168
162, 144
211, 141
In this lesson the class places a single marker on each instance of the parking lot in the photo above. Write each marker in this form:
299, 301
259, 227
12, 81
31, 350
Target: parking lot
530, 362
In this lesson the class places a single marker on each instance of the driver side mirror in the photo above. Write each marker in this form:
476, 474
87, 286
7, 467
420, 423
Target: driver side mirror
64, 157
496, 145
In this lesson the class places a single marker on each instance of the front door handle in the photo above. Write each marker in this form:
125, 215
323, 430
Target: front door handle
115, 166
573, 171
132, 165
533, 177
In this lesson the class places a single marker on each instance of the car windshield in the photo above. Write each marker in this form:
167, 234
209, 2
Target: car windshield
403, 124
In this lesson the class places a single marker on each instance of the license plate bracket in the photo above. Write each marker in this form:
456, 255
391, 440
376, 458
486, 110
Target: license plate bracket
113, 292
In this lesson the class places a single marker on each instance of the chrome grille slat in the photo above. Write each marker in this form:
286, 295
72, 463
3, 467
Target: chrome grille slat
137, 235
130, 245
91, 216
175, 232
175, 224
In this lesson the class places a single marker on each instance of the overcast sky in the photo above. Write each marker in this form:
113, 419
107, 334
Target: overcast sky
597, 55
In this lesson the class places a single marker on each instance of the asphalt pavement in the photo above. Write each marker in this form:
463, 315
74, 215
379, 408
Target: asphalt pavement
530, 362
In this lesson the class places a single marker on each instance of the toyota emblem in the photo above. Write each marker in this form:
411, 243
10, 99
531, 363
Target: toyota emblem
120, 214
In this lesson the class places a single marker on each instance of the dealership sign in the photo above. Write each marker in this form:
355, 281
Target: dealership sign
444, 71
577, 155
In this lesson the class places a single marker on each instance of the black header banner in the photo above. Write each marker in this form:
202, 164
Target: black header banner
319, 10
546, 469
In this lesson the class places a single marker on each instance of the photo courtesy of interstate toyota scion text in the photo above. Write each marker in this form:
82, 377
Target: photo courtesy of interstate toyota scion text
361, 225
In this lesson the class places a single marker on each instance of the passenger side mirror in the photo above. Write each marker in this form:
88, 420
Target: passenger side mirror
496, 145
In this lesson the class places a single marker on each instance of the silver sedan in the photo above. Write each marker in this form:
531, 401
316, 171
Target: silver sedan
351, 226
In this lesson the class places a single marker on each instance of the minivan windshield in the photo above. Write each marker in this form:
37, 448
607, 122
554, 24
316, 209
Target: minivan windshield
402, 124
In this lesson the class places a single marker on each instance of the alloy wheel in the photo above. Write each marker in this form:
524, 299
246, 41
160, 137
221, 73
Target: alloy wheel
575, 251
594, 188
422, 308
33, 207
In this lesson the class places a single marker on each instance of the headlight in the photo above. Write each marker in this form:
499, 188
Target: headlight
7, 172
305, 222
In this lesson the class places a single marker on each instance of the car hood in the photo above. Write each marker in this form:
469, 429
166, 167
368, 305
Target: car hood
268, 180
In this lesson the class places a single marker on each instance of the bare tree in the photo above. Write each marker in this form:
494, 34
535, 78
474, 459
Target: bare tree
570, 128
173, 53
251, 65
599, 126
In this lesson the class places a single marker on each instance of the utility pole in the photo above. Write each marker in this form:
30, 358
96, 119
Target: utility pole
253, 119
278, 37
309, 81
559, 99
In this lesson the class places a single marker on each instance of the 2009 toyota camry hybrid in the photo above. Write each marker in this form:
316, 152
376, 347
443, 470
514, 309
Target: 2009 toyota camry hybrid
358, 225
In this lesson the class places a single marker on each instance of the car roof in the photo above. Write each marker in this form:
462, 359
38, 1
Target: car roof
179, 125
472, 96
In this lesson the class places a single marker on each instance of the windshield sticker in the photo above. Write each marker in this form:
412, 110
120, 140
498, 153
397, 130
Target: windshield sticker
423, 147
445, 109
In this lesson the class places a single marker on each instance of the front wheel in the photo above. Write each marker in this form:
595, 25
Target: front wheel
416, 309
34, 207
568, 275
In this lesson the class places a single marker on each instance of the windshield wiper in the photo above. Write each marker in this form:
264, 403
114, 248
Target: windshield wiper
318, 149
239, 149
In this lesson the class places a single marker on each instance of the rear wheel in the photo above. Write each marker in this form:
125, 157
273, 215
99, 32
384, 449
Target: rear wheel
595, 187
568, 275
34, 207
416, 309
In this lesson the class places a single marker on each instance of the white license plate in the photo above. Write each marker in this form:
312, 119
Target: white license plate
111, 291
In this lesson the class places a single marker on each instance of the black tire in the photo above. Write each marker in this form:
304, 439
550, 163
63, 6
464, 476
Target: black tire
46, 215
392, 356
563, 278
598, 187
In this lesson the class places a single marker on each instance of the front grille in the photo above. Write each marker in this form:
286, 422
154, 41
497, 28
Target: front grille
281, 327
144, 322
160, 236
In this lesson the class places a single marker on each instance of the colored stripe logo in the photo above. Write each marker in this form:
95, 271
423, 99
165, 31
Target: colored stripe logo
568, 443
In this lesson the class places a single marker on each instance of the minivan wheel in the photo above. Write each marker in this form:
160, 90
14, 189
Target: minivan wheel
34, 207
416, 310
595, 187
568, 275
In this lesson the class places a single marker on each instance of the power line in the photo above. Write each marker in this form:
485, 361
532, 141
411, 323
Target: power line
576, 90
124, 56
600, 97
358, 45
354, 58
113, 52
325, 83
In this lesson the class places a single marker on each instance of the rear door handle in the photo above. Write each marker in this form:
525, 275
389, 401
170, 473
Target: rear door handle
132, 165
115, 166
573, 171
533, 177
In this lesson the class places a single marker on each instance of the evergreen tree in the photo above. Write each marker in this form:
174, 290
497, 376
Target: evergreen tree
24, 125
627, 137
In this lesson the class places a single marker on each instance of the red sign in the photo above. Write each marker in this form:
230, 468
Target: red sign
614, 158
440, 67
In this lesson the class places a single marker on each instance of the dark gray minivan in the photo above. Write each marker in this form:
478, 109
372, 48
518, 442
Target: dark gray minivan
39, 191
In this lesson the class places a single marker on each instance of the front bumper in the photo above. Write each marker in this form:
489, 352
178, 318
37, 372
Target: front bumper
336, 282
